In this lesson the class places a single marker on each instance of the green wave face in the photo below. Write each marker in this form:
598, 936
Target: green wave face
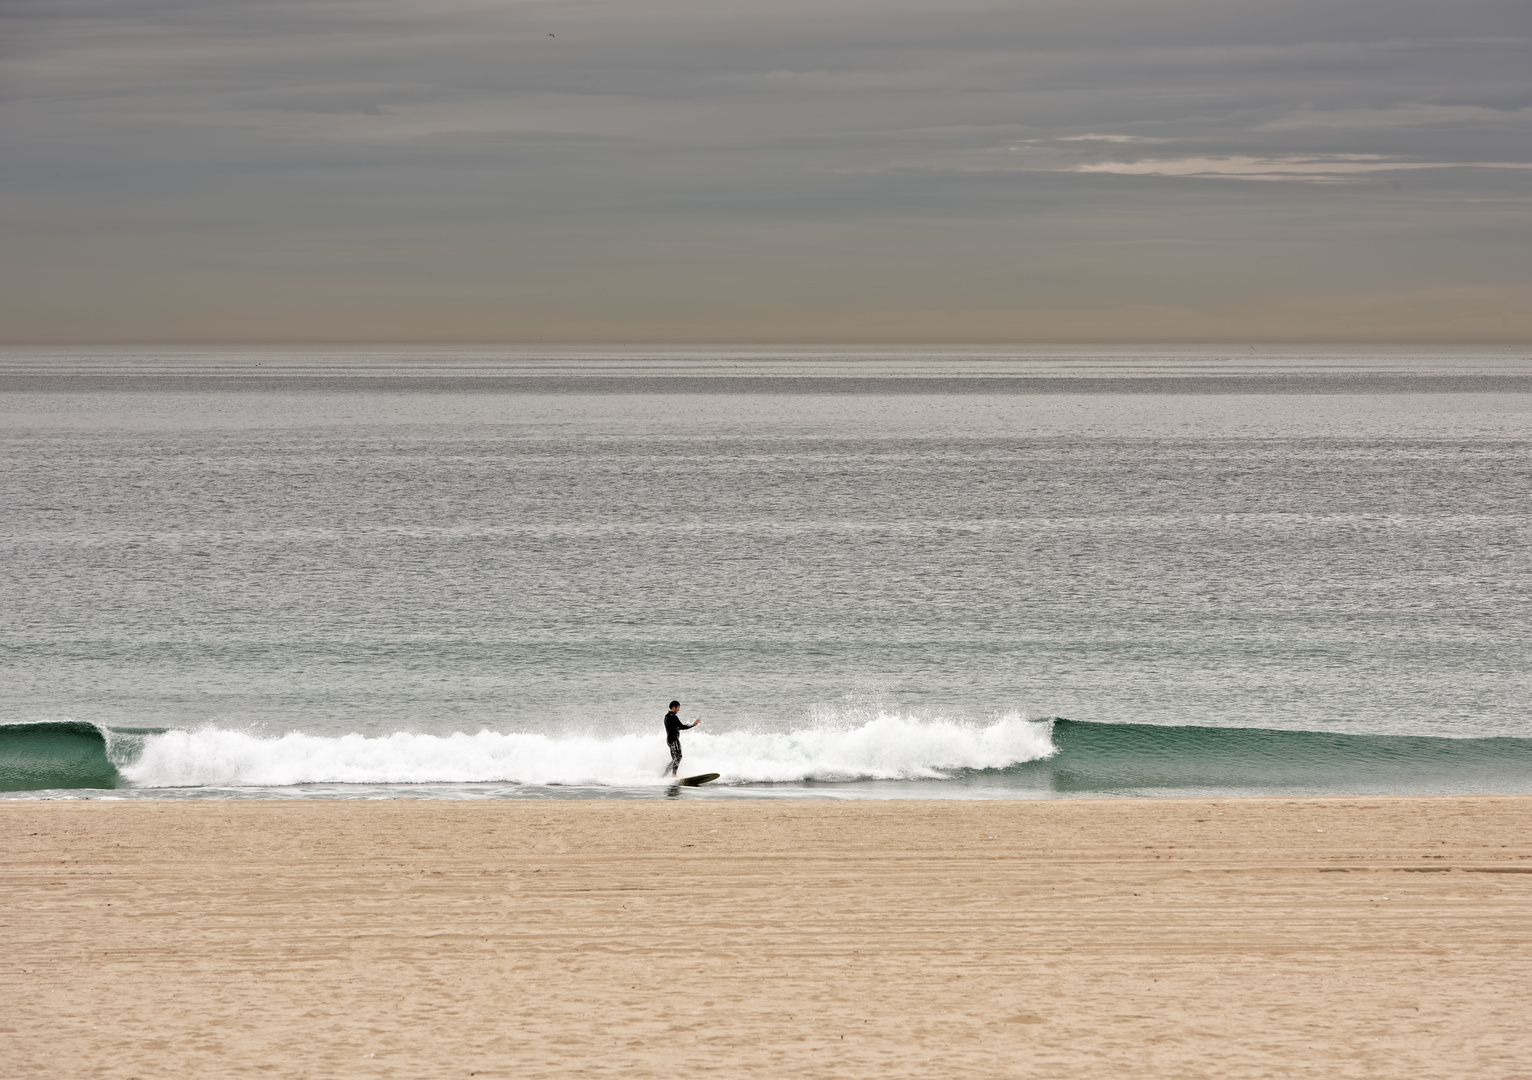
1135, 757
35, 757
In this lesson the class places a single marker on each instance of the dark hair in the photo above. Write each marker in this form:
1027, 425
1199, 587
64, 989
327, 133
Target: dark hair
675, 704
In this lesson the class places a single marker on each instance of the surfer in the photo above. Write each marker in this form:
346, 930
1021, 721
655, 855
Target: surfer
673, 729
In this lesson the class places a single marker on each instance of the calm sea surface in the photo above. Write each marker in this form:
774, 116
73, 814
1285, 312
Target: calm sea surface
487, 571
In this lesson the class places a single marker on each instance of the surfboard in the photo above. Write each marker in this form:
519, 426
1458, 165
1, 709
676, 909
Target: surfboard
700, 778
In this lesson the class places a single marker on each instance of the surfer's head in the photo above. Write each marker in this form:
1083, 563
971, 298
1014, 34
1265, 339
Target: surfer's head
674, 705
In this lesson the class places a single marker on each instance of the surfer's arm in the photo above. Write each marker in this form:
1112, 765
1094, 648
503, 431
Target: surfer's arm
695, 722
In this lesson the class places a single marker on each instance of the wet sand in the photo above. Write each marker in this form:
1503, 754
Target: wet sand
1081, 938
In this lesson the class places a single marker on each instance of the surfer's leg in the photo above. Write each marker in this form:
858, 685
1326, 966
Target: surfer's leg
675, 758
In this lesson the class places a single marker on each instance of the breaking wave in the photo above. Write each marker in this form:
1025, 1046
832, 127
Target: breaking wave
885, 748
1011, 754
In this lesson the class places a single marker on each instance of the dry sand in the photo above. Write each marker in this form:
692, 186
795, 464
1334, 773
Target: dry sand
430, 939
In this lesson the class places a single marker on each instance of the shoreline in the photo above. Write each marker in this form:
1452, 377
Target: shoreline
1251, 936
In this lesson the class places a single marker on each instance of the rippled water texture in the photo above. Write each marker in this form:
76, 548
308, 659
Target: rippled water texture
363, 544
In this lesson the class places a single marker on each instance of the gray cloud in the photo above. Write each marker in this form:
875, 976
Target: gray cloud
843, 169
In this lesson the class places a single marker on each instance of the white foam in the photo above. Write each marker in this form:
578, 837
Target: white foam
885, 748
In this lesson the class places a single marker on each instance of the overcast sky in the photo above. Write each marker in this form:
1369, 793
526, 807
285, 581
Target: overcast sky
765, 170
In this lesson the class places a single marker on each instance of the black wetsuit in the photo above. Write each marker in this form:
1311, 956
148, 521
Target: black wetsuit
673, 728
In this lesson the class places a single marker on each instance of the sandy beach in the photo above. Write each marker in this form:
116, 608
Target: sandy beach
1092, 938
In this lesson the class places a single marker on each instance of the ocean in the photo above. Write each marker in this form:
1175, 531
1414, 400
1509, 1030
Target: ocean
933, 573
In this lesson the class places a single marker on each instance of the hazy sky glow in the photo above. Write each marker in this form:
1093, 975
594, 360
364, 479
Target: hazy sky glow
737, 170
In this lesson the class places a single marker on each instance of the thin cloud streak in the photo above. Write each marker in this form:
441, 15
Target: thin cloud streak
1319, 168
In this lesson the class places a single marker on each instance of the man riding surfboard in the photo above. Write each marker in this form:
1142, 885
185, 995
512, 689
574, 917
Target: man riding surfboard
673, 729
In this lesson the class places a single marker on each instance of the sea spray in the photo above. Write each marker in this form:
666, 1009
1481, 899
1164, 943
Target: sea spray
885, 748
